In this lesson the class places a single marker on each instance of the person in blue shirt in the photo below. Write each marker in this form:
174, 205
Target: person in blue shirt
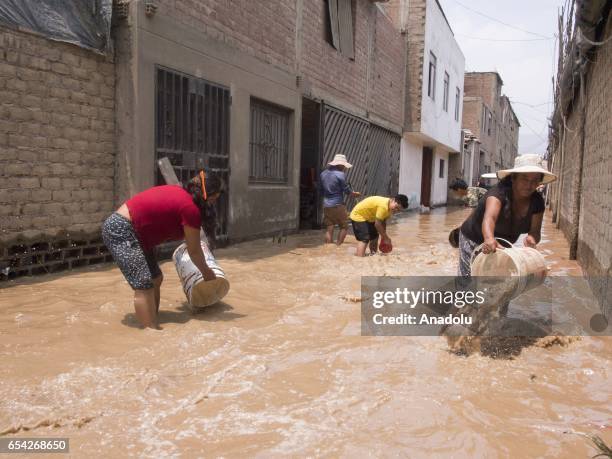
333, 187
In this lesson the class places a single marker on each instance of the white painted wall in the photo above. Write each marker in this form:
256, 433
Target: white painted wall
411, 161
437, 123
439, 186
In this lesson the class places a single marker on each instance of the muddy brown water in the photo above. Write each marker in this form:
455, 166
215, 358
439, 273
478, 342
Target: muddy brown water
280, 369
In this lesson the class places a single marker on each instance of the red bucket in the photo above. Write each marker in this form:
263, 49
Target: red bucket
384, 247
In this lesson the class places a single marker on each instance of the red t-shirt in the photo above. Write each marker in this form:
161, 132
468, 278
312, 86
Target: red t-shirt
159, 214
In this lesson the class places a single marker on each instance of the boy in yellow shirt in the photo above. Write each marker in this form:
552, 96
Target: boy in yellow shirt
369, 220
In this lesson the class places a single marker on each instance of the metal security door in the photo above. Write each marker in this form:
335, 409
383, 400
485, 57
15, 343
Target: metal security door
192, 130
373, 151
348, 135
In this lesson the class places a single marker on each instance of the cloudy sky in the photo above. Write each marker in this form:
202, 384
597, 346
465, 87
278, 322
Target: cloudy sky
525, 65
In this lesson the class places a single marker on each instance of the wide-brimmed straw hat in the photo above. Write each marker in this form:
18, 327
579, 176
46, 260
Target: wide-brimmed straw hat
526, 164
340, 160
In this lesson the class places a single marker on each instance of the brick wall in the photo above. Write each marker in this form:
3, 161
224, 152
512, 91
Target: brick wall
414, 66
501, 146
472, 115
379, 55
56, 138
595, 238
585, 208
265, 30
387, 75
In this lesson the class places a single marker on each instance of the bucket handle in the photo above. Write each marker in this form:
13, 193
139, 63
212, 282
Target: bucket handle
477, 250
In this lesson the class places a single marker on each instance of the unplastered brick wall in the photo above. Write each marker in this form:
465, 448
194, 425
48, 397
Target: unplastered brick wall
414, 66
568, 168
264, 29
324, 66
389, 64
595, 235
56, 139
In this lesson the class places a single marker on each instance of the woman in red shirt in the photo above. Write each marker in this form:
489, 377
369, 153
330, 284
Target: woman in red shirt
159, 214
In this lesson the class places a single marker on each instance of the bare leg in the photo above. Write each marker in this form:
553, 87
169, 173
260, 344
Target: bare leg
361, 248
144, 305
329, 234
342, 235
374, 245
156, 286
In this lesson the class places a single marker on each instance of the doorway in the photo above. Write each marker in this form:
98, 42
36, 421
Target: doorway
426, 172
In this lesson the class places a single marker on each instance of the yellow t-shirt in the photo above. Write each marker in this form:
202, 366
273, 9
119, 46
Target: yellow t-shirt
371, 209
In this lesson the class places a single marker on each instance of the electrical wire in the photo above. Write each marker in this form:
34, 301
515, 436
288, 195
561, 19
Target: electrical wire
501, 22
502, 40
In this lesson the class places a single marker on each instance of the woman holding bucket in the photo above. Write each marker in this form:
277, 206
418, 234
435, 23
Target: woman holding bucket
511, 208
159, 214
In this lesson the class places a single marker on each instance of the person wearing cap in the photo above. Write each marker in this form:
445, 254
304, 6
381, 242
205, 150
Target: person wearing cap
159, 214
333, 186
509, 209
369, 218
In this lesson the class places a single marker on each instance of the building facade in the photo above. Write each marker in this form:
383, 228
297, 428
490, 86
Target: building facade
263, 93
489, 115
434, 97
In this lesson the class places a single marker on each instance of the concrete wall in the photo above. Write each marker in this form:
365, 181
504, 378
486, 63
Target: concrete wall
439, 185
277, 52
56, 138
411, 163
193, 49
437, 123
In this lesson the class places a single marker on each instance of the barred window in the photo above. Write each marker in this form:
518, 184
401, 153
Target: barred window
269, 143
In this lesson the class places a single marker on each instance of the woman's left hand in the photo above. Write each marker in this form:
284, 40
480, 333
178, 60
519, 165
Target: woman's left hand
530, 241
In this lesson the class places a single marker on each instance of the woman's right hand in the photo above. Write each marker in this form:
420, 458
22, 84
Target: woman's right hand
208, 274
491, 245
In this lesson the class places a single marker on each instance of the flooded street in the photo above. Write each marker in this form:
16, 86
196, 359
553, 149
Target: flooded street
280, 369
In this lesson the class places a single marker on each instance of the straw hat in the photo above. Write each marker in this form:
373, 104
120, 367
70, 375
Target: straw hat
340, 160
525, 164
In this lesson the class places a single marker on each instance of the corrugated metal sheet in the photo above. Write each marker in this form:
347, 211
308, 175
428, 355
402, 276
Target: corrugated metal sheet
373, 151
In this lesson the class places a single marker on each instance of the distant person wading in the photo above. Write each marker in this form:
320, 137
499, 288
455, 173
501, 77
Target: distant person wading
333, 187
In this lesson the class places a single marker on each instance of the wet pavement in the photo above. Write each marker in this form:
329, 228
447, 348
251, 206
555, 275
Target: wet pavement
279, 367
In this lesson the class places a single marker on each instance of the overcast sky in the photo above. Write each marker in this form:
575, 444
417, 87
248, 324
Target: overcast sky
526, 67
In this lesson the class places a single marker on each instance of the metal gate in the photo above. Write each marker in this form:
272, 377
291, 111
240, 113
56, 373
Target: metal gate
373, 151
192, 130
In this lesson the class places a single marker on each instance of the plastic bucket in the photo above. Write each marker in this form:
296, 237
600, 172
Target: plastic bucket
200, 293
525, 264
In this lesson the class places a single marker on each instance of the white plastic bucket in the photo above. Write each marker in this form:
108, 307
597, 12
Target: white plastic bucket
525, 264
200, 293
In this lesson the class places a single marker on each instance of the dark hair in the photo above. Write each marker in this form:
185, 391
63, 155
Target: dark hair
402, 200
458, 184
213, 184
506, 181
338, 167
